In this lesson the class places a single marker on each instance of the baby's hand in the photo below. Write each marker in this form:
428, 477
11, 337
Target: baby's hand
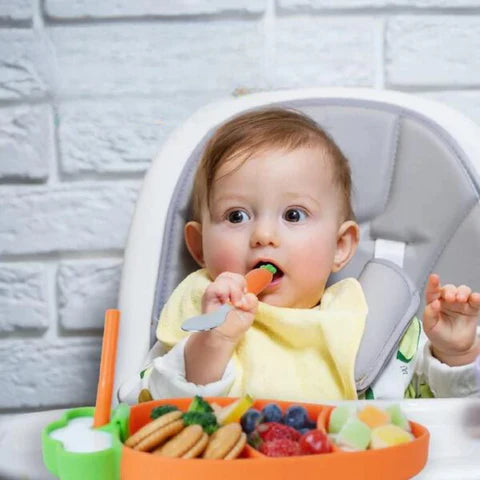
231, 288
450, 322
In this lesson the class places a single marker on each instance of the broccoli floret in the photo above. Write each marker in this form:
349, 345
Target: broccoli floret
207, 420
162, 410
199, 405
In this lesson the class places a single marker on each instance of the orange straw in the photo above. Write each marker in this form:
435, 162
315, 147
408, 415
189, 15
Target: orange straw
107, 368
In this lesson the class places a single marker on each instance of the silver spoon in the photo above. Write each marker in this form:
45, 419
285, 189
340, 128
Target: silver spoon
207, 321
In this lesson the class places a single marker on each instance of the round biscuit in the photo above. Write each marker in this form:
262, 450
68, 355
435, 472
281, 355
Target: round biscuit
222, 441
237, 449
198, 448
181, 443
157, 438
150, 427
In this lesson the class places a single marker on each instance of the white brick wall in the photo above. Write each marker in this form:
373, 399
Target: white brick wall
94, 283
26, 139
119, 135
450, 43
88, 91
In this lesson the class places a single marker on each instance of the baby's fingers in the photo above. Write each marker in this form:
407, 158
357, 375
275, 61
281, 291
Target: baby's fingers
226, 288
431, 315
249, 303
233, 284
432, 290
474, 300
463, 293
460, 300
219, 292
449, 293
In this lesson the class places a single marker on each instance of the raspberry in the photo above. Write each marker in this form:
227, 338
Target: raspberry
273, 430
281, 447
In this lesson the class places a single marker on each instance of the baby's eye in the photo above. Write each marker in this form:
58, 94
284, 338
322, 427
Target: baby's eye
294, 215
237, 216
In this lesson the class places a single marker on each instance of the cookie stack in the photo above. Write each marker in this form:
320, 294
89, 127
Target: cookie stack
169, 437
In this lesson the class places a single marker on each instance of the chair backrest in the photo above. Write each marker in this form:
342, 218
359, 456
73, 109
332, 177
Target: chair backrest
416, 187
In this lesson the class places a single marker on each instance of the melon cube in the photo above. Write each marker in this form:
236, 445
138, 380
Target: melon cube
354, 435
339, 417
398, 417
389, 436
373, 416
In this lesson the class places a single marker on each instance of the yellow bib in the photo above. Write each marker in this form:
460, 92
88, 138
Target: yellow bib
291, 354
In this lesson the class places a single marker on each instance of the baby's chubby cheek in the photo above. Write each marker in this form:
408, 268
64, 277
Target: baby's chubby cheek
308, 284
221, 260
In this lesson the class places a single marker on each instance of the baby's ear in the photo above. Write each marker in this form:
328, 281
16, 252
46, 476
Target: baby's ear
193, 239
347, 241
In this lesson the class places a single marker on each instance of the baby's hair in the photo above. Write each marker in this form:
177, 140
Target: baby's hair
261, 129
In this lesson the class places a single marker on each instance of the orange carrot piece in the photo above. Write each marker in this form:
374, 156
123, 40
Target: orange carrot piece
107, 368
258, 279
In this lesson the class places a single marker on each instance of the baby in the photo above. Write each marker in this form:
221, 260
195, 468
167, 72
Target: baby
272, 187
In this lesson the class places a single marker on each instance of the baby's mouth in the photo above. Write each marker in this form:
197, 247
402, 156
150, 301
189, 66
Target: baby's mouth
277, 275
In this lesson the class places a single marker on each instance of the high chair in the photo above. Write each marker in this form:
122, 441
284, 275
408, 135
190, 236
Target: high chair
415, 167
415, 195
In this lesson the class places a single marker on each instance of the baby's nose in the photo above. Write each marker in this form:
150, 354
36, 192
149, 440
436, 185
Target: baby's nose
264, 233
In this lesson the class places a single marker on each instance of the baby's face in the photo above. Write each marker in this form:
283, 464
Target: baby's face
279, 207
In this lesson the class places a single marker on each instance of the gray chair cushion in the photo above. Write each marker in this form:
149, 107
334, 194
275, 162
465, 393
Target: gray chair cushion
411, 184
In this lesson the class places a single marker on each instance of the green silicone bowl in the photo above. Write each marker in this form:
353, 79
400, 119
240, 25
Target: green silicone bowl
101, 465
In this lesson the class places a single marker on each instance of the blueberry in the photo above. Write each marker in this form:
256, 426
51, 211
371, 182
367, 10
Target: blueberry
250, 419
272, 413
302, 431
310, 424
296, 417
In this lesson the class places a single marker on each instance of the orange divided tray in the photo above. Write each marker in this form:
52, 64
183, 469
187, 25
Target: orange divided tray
400, 462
